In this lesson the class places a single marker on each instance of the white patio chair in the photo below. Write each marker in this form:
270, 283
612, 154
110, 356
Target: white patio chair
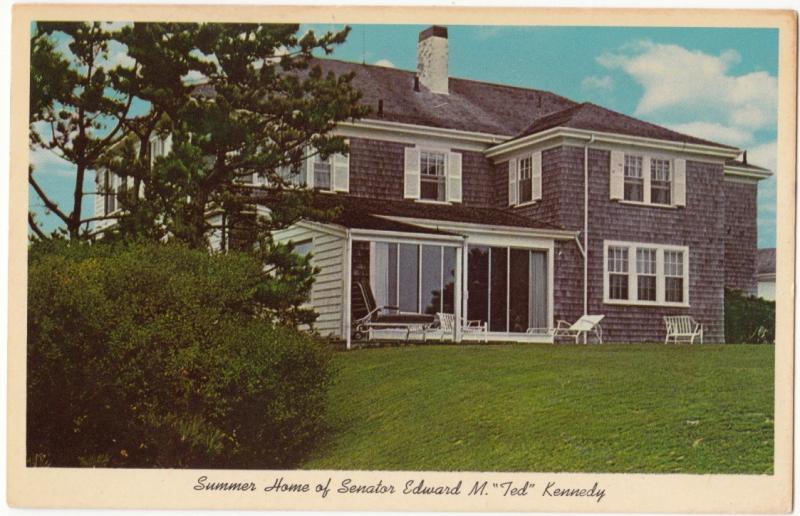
683, 327
447, 327
582, 327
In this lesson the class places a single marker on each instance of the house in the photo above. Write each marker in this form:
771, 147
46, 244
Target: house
765, 271
519, 207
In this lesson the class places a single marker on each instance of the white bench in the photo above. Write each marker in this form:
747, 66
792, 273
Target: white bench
683, 327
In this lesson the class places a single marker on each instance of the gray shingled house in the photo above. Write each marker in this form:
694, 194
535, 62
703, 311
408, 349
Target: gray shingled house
518, 208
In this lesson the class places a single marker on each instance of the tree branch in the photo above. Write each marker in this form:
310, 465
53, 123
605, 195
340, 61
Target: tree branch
35, 227
50, 205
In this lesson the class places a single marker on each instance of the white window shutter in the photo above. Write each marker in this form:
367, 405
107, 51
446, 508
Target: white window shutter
308, 177
341, 172
411, 175
679, 185
100, 197
512, 182
617, 175
167, 146
454, 177
536, 175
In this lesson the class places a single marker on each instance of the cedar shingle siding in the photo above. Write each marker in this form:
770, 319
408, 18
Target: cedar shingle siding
718, 225
700, 226
740, 236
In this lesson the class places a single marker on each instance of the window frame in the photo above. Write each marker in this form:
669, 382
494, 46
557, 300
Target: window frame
631, 179
317, 159
648, 160
441, 180
529, 179
633, 273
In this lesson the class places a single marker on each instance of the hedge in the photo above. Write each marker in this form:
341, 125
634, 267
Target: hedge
748, 319
154, 355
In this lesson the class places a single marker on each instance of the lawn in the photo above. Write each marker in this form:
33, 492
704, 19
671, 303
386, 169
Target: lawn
610, 408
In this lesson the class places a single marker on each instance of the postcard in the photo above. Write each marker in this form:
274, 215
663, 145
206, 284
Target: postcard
407, 259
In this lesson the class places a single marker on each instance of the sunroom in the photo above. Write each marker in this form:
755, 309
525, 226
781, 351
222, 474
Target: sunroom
496, 274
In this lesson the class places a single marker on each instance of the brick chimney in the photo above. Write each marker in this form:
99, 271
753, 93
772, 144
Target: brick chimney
432, 54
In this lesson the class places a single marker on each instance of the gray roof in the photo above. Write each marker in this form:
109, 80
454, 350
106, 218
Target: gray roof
765, 261
592, 117
470, 105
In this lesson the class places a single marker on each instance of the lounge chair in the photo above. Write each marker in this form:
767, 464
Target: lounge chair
582, 327
683, 327
383, 317
447, 327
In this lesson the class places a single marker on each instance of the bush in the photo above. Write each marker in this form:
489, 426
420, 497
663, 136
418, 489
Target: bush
748, 319
149, 355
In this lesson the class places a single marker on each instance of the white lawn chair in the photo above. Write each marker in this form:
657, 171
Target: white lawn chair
683, 327
582, 327
447, 327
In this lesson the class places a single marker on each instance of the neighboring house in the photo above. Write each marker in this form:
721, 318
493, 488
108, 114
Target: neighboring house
765, 270
519, 207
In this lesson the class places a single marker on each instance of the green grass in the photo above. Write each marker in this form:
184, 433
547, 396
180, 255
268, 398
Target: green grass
610, 408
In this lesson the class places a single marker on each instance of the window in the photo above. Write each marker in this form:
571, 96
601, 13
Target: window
432, 176
114, 188
322, 173
525, 179
646, 274
634, 180
618, 272
414, 277
658, 277
673, 276
660, 183
303, 248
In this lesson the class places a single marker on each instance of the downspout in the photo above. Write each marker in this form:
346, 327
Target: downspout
586, 225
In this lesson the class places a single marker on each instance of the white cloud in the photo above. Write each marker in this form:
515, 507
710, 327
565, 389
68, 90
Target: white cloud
714, 132
683, 86
47, 162
114, 26
385, 62
594, 82
765, 155
117, 56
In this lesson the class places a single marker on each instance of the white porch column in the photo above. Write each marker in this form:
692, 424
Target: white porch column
459, 282
347, 282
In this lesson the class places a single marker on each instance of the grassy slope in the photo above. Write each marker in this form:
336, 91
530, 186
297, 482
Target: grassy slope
625, 408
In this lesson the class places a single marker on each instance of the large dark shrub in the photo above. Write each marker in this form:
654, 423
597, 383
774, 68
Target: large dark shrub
152, 355
748, 319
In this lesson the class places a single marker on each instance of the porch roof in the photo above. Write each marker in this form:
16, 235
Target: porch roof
370, 213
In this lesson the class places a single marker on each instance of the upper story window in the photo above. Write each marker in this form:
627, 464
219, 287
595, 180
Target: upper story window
660, 183
112, 187
327, 175
634, 180
322, 173
432, 179
646, 274
647, 179
525, 179
432, 175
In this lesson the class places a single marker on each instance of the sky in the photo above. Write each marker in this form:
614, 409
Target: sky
717, 84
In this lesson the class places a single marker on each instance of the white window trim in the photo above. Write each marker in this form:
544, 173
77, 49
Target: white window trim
632, 281
517, 159
438, 150
647, 176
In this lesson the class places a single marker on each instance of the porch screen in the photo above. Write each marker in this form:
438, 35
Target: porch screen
507, 288
414, 277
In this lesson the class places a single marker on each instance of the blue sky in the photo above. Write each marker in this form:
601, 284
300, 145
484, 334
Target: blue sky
719, 84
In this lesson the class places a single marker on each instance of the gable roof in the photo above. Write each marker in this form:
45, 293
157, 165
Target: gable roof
470, 105
765, 261
591, 117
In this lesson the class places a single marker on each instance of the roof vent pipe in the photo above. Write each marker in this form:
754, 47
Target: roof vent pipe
744, 157
380, 106
416, 83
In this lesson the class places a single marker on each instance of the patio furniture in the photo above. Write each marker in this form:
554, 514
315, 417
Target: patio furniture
682, 327
582, 327
383, 317
447, 326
